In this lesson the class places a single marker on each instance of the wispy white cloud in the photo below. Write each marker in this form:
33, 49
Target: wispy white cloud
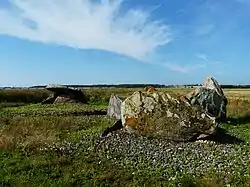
175, 67
202, 56
94, 24
206, 60
183, 68
86, 24
204, 29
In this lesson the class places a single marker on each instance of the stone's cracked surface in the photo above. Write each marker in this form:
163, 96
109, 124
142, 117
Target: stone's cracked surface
114, 107
210, 98
158, 114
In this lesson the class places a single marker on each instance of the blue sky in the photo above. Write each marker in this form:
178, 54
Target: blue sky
130, 41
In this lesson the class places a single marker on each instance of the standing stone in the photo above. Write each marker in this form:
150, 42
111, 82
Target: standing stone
210, 98
114, 108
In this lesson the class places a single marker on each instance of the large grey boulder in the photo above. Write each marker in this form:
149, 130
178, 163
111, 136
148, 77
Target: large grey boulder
210, 98
195, 115
157, 114
63, 94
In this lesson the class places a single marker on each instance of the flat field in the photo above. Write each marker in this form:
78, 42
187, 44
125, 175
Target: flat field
60, 145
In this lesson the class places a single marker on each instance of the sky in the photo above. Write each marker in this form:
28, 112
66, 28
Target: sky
124, 41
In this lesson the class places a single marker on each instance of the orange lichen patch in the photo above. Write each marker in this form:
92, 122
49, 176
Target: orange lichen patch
150, 89
131, 121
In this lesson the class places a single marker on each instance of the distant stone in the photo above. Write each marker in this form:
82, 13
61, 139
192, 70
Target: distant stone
55, 86
210, 98
157, 114
63, 94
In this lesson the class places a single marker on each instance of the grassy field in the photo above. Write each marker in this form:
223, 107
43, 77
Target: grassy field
55, 145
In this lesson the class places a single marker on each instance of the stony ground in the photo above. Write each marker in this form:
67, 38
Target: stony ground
171, 158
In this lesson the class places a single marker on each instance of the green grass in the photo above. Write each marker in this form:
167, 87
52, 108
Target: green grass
23, 95
30, 132
24, 160
68, 109
9, 104
51, 170
54, 107
240, 131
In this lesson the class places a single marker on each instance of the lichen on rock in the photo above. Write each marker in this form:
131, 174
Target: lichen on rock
156, 113
160, 115
210, 98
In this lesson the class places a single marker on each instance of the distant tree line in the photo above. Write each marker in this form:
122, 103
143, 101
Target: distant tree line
235, 86
141, 85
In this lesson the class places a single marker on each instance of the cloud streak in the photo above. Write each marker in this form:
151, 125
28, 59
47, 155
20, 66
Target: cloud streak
86, 24
202, 56
204, 29
183, 69
204, 62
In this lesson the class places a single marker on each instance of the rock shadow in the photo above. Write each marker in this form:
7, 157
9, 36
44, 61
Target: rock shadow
115, 127
239, 120
223, 137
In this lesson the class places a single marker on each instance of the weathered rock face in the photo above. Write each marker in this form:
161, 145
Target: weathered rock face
210, 98
63, 94
114, 108
158, 114
193, 116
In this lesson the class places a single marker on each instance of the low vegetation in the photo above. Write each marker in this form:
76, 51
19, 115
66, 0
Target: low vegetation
53, 145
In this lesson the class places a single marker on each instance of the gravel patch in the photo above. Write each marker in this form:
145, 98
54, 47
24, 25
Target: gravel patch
193, 157
196, 158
